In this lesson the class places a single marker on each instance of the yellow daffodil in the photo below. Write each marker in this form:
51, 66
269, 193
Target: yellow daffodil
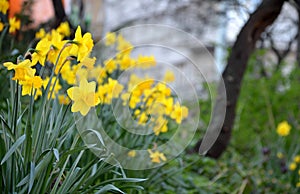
283, 128
68, 73
98, 73
292, 166
169, 76
14, 24
133, 101
123, 46
110, 38
179, 113
4, 5
83, 45
297, 159
81, 73
110, 65
279, 155
83, 96
298, 184
156, 157
145, 85
109, 91
161, 126
21, 69
63, 99
163, 89
143, 118
131, 153
34, 82
64, 29
40, 34
57, 43
126, 62
168, 102
145, 61
41, 50
88, 63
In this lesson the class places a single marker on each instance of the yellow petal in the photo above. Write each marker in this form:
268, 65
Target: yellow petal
84, 109
74, 93
77, 106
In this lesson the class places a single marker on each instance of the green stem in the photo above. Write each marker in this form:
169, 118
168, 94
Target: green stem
2, 37
14, 130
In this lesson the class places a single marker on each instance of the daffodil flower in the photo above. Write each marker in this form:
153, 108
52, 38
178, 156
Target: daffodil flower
83, 45
64, 29
30, 83
14, 25
40, 34
156, 157
41, 50
21, 70
4, 5
110, 38
83, 96
179, 113
283, 128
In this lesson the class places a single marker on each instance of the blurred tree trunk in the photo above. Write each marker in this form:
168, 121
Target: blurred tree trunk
233, 74
60, 14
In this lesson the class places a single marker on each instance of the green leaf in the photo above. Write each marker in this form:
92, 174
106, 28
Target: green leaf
109, 187
56, 154
13, 148
31, 177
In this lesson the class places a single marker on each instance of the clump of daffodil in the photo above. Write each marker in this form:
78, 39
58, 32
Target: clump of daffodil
25, 74
146, 97
156, 156
83, 96
14, 25
110, 90
283, 128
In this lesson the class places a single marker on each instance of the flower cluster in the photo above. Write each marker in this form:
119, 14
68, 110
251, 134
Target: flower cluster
294, 166
68, 62
283, 130
13, 23
54, 50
